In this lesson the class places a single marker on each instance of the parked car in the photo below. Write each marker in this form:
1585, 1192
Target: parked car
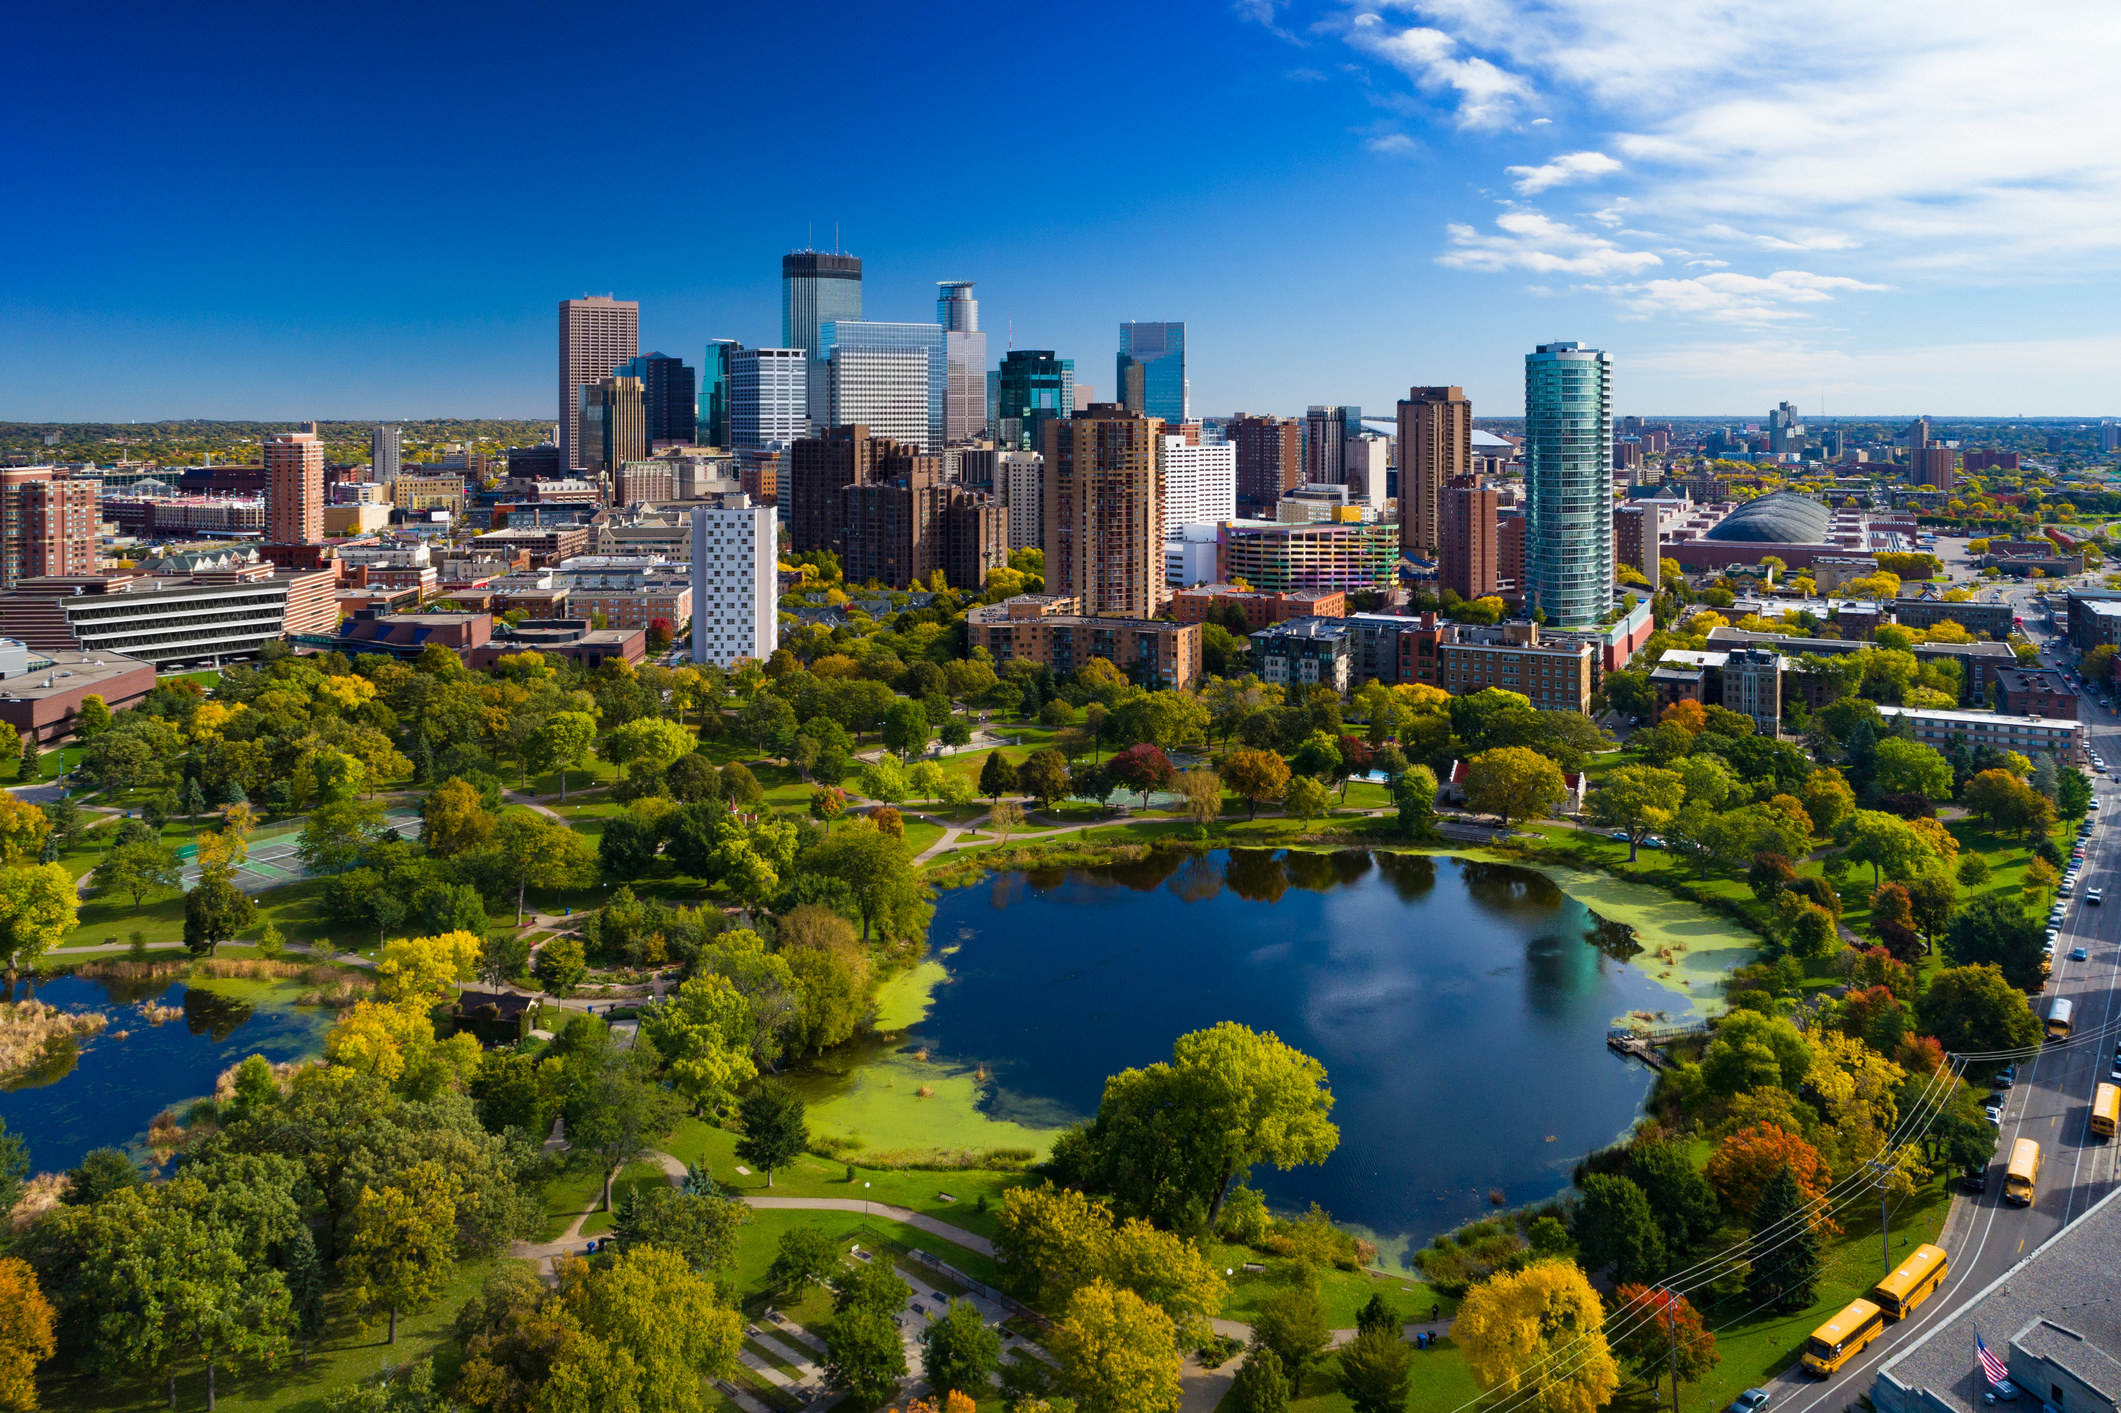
1974, 1180
2004, 1078
1995, 1114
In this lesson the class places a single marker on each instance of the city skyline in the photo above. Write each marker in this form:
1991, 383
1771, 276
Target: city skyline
1494, 179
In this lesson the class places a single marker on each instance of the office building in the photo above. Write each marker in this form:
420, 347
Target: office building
536, 463
668, 401
1052, 631
1104, 511
769, 398
1366, 464
965, 357
1466, 559
735, 590
1200, 482
1152, 371
597, 334
385, 450
42, 691
613, 424
890, 378
1269, 460
1785, 429
1435, 446
210, 616
644, 482
817, 289
294, 488
1326, 433
47, 524
1568, 392
1020, 483
1031, 388
710, 422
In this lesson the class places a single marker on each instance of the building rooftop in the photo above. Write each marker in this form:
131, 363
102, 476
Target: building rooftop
1307, 628
1784, 517
32, 673
1685, 657
1989, 718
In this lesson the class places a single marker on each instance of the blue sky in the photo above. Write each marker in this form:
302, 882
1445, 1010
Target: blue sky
243, 210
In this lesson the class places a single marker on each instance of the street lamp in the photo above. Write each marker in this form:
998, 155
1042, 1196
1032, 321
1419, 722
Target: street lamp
865, 1199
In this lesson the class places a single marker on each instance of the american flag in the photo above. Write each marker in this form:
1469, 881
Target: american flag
1995, 1368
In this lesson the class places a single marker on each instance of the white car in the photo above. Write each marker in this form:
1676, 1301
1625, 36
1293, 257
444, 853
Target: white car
2091, 895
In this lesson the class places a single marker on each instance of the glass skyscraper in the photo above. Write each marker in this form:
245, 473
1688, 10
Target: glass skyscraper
965, 391
712, 415
817, 289
891, 378
1031, 388
1568, 450
1152, 370
667, 391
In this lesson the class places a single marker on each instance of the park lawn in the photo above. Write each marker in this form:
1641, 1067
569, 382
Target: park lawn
918, 1189
346, 1355
920, 834
1441, 1383
1341, 1292
759, 1241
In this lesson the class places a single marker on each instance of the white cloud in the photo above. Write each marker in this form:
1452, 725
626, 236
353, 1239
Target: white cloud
1529, 240
1395, 144
1487, 96
1732, 298
2005, 377
1569, 167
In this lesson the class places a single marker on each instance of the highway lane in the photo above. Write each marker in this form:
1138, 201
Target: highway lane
2051, 1104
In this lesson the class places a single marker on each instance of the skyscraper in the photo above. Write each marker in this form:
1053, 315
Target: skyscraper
1568, 449
735, 591
597, 334
891, 378
1031, 388
614, 423
1435, 444
1199, 483
666, 395
819, 467
816, 290
1103, 511
711, 418
768, 397
47, 524
1269, 460
1784, 428
294, 488
385, 451
1152, 370
1466, 561
1326, 433
965, 351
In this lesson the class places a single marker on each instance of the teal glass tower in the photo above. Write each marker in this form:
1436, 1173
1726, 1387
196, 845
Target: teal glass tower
1152, 370
1031, 388
1568, 448
713, 414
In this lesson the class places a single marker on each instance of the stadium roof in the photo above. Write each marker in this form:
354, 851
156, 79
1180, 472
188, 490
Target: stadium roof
1784, 518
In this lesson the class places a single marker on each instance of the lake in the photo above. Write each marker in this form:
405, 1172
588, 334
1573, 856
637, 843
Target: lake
108, 1090
1459, 1007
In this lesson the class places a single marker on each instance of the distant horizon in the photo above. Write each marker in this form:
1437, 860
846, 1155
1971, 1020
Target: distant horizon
2091, 419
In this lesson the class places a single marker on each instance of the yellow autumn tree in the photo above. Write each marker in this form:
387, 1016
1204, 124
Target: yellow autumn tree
417, 971
1538, 1335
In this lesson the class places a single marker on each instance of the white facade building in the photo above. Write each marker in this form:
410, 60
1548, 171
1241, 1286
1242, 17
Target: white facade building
1200, 483
1020, 481
1365, 458
735, 590
769, 397
885, 390
1191, 554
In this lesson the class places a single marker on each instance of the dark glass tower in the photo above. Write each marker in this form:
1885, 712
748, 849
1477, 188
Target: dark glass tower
817, 289
1032, 387
666, 392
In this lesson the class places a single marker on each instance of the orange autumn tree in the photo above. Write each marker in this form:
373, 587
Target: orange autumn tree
953, 1402
1744, 1163
1688, 714
1654, 1325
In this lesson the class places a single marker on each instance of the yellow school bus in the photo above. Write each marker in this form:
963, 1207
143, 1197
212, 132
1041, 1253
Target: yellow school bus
1843, 1337
2058, 1019
2106, 1106
2024, 1173
1915, 1281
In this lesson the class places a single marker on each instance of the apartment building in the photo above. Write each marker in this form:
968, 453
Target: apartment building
1052, 631
1303, 653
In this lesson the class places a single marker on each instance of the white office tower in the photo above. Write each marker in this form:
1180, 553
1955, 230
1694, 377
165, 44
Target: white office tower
965, 350
385, 451
769, 398
1364, 458
1200, 483
735, 589
1020, 480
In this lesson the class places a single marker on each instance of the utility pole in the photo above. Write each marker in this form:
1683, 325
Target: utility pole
1671, 1324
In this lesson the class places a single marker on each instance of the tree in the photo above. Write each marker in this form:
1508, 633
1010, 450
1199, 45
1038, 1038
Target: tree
627, 847
878, 871
652, 1330
561, 965
906, 729
336, 835
1932, 899
1414, 798
1785, 1248
1117, 1353
959, 1351
401, 1253
996, 779
1005, 817
808, 1256
864, 1358
1827, 798
1974, 1009
102, 1171
1910, 768
775, 1133
1512, 782
23, 828
1143, 768
1990, 931
1305, 799
215, 911
1044, 777
1539, 1335
1680, 1198
1256, 776
1260, 1385
422, 972
1613, 1227
616, 1113
1747, 1161
1638, 799
1660, 1329
703, 1034
140, 869
1888, 843
698, 1227
1202, 791
534, 849
454, 820
2073, 794
1374, 1370
26, 1320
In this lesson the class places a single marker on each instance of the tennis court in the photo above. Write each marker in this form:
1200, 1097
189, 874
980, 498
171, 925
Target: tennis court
273, 860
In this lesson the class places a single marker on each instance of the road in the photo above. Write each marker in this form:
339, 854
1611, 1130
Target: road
2050, 1104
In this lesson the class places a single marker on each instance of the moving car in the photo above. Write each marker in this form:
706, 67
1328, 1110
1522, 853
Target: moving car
1751, 1401
2091, 895
2077, 954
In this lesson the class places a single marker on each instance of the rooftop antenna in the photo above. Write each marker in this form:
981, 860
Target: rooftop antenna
835, 237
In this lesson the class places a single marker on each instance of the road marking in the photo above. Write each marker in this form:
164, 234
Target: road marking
2021, 1244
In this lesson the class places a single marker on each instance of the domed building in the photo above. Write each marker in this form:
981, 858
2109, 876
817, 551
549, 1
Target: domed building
1783, 518
1791, 526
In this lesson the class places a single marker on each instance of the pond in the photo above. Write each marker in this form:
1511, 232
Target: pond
1460, 1009
104, 1090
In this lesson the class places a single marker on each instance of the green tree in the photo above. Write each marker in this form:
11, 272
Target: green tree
1260, 1385
529, 848
1374, 1370
561, 965
1784, 1272
1511, 782
1973, 1009
336, 835
1305, 799
141, 869
37, 909
617, 1113
1888, 843
1680, 1197
807, 1256
1414, 799
996, 779
703, 1034
959, 1351
775, 1131
652, 1332
1992, 931
1044, 777
864, 1358
1117, 1352
878, 872
1293, 1324
1613, 1226
563, 740
215, 911
1911, 768
1637, 799
700, 1228
402, 1252
906, 729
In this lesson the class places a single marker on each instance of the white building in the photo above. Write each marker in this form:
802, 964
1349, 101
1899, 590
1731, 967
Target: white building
1191, 554
1200, 483
2027, 735
1020, 481
1364, 458
735, 589
885, 390
769, 397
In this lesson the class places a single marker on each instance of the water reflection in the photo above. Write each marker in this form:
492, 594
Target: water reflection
210, 1013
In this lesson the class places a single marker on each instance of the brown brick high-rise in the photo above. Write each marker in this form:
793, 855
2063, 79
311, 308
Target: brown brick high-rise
47, 525
294, 489
1466, 561
1435, 444
1104, 511
1270, 460
818, 467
